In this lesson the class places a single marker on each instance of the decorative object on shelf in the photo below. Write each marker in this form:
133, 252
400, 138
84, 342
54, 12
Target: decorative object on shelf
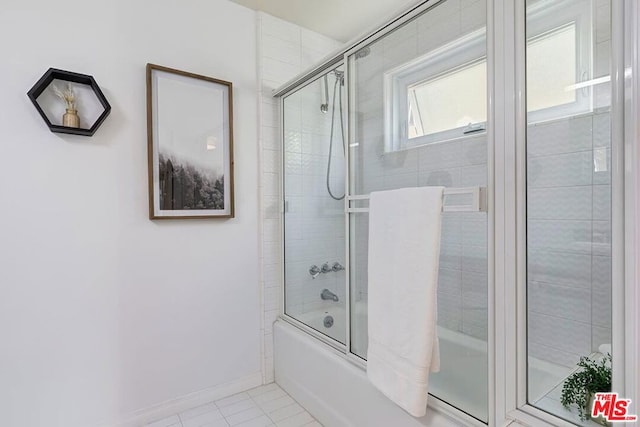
190, 145
70, 118
581, 386
96, 108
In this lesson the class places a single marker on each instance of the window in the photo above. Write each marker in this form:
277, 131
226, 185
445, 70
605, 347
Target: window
463, 89
559, 57
438, 96
551, 69
442, 95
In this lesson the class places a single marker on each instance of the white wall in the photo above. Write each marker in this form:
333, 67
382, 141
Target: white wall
285, 50
102, 311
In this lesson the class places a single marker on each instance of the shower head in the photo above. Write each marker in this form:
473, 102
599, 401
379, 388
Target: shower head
362, 53
324, 106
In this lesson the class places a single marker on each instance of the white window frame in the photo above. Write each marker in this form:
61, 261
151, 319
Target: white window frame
446, 59
548, 16
545, 17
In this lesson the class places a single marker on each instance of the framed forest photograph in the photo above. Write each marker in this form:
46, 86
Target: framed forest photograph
190, 145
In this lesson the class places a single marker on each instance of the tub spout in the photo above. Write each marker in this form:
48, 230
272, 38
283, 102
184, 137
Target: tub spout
328, 295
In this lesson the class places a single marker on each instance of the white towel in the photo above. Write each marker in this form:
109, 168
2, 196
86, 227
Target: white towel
404, 249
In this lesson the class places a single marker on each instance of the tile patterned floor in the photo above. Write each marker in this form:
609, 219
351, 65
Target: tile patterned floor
263, 406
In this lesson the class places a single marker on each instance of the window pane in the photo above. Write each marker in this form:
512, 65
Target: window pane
450, 101
568, 205
551, 68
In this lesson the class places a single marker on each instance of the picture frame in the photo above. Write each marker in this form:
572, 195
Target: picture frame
190, 145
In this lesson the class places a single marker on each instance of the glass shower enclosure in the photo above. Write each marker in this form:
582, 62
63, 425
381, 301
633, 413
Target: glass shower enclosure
411, 107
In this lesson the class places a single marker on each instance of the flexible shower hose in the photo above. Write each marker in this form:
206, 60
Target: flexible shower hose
333, 113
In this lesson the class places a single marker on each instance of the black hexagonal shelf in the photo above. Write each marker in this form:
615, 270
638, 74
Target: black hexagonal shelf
54, 74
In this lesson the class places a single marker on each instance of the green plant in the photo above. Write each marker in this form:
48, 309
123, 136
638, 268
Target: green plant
593, 377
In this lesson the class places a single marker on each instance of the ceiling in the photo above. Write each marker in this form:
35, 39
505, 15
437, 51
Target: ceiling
342, 20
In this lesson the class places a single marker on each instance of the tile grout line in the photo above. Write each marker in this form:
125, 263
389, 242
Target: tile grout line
286, 395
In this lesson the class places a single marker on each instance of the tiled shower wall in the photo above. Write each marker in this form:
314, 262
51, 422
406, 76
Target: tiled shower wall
314, 222
569, 229
284, 50
569, 208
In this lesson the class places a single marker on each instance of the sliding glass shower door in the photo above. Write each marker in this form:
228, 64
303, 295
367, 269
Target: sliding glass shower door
418, 117
314, 228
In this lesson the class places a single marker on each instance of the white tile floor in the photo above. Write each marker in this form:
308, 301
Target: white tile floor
268, 405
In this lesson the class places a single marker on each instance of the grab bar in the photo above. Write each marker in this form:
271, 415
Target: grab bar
477, 200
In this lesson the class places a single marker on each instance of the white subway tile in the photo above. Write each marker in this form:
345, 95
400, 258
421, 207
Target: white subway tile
286, 51
474, 258
562, 268
559, 301
444, 177
552, 354
439, 156
561, 236
602, 62
271, 161
271, 184
450, 256
565, 335
600, 336
450, 281
560, 203
560, 170
280, 28
474, 150
269, 374
602, 166
450, 311
561, 136
602, 130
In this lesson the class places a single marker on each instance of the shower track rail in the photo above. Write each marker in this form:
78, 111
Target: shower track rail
478, 202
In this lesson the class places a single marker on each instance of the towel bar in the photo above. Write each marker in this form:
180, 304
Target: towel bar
475, 198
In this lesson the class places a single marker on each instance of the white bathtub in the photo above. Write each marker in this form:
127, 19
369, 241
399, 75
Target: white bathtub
463, 358
338, 393
316, 320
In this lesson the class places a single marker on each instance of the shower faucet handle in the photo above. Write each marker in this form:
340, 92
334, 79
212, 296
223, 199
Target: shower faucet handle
314, 271
326, 268
337, 267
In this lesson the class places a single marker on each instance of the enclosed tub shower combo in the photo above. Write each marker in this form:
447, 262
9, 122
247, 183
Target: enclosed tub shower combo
516, 108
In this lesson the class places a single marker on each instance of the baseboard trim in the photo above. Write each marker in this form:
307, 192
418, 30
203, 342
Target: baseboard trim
191, 400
